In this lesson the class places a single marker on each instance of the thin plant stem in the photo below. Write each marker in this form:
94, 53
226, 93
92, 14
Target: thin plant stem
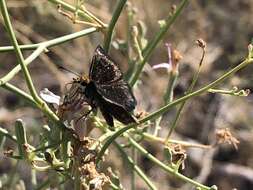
112, 24
21, 138
170, 105
153, 138
103, 25
49, 113
127, 158
234, 92
19, 55
54, 42
193, 83
197, 92
72, 9
38, 101
33, 177
43, 185
5, 133
133, 181
27, 61
165, 167
135, 167
19, 93
151, 45
168, 97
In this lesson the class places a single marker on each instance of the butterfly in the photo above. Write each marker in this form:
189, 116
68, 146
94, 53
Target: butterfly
105, 89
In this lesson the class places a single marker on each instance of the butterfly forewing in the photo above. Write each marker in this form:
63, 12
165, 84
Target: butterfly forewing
103, 70
109, 81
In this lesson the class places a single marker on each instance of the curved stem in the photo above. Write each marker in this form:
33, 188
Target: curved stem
151, 46
135, 167
16, 69
165, 167
111, 139
112, 24
18, 52
19, 92
194, 81
5, 133
197, 92
170, 105
54, 42
71, 8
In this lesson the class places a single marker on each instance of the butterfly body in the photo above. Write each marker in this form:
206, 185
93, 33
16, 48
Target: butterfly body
106, 89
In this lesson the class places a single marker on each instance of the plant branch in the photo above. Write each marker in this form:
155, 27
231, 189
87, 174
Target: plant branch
197, 92
19, 93
135, 167
153, 138
193, 83
5, 133
54, 42
27, 61
151, 45
170, 105
112, 24
72, 9
18, 52
165, 167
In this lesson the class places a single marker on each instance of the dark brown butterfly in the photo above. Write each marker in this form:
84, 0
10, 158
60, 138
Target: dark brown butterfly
106, 89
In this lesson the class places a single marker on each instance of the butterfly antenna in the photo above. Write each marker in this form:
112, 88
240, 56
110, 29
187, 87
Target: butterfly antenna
68, 70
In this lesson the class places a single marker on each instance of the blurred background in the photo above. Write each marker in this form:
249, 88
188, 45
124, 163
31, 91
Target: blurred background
227, 28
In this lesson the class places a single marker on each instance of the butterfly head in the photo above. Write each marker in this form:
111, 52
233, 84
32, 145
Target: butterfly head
82, 80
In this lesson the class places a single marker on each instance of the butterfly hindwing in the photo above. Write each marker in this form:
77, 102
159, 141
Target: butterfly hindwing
119, 93
117, 111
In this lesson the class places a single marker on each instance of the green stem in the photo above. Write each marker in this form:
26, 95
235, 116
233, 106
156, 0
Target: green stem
132, 172
197, 92
5, 133
18, 52
39, 102
72, 9
21, 137
174, 124
27, 61
152, 138
127, 158
151, 46
44, 185
135, 167
54, 42
111, 140
19, 93
165, 167
112, 24
33, 178
170, 105
45, 109
168, 97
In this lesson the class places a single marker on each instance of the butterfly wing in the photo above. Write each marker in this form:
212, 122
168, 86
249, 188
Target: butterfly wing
109, 81
110, 110
118, 93
103, 70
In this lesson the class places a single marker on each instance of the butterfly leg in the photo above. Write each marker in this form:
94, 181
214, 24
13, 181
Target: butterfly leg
108, 118
84, 116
